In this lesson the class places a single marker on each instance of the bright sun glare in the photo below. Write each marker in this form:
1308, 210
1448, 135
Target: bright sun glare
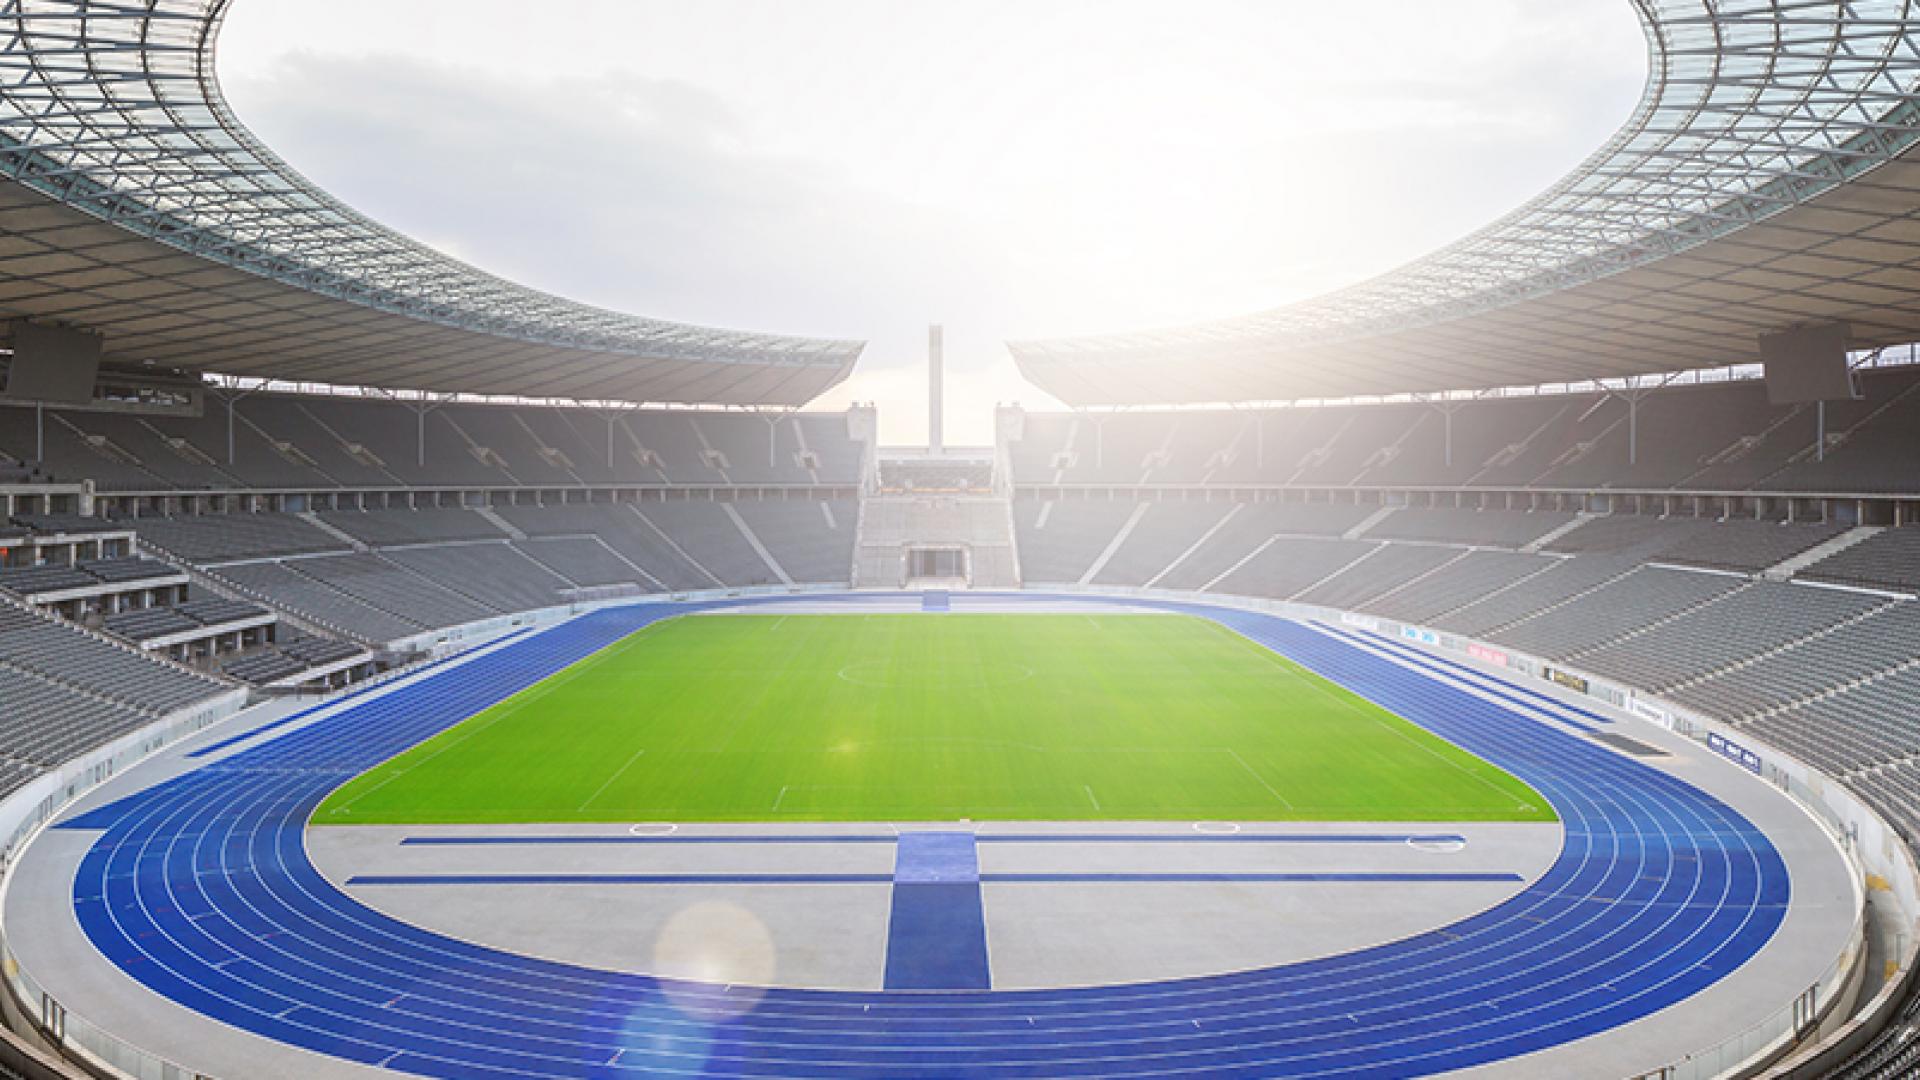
1009, 167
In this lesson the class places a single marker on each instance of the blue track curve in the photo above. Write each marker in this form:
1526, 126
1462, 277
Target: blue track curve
201, 889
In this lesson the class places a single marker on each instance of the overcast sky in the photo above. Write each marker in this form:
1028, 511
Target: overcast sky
861, 168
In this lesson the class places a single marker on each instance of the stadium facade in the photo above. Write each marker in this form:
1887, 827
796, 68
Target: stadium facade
1723, 558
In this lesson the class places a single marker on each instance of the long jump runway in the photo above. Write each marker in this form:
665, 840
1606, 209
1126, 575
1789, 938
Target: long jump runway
201, 889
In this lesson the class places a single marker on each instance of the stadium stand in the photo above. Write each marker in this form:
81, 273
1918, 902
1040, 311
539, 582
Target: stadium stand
583, 561
129, 569
212, 611
1634, 535
35, 580
1723, 436
711, 536
1281, 569
1389, 569
1254, 525
71, 524
890, 525
263, 667
215, 538
49, 722
1477, 574
380, 582
811, 539
1162, 533
148, 623
497, 575
1882, 640
309, 598
56, 651
625, 530
425, 526
1488, 528
1755, 619
1748, 545
1645, 597
1887, 560
1059, 540
319, 443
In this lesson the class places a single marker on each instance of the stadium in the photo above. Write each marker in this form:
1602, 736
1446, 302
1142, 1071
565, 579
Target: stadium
1506, 666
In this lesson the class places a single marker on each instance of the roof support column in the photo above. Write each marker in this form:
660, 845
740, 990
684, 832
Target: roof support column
1447, 409
1632, 394
230, 396
421, 407
612, 417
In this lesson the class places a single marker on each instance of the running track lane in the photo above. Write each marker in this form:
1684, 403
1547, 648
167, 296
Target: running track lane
200, 888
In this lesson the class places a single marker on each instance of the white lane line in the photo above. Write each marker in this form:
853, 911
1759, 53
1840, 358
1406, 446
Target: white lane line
1262, 780
622, 771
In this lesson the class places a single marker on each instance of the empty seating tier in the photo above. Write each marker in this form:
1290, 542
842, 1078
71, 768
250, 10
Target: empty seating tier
1749, 545
1645, 596
1760, 617
62, 653
216, 538
1888, 560
1486, 528
149, 623
318, 443
393, 527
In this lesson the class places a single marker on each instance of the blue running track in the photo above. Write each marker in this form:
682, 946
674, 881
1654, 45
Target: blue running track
200, 888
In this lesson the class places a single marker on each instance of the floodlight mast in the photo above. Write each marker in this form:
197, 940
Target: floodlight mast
936, 388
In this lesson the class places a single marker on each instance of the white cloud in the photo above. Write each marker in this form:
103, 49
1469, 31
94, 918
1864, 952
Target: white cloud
864, 167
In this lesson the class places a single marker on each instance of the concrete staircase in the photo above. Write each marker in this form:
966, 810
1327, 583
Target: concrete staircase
1820, 552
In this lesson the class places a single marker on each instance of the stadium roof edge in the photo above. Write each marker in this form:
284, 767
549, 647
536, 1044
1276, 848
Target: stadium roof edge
136, 204
1767, 177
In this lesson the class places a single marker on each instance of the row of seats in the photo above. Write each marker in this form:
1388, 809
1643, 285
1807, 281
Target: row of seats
1887, 560
287, 659
315, 443
147, 624
54, 577
1751, 620
1883, 639
1719, 437
62, 653
47, 722
215, 538
426, 569
1190, 543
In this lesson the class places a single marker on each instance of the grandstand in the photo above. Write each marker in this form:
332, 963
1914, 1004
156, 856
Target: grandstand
1543, 496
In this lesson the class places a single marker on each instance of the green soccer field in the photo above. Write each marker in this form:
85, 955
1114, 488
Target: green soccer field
933, 718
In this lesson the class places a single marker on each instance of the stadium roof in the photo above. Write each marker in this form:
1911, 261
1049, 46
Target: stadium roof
136, 204
1767, 178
